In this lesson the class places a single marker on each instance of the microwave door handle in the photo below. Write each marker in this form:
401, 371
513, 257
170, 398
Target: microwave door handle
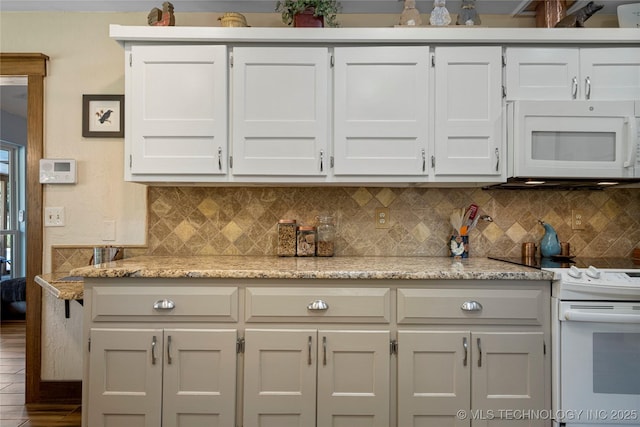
579, 316
633, 142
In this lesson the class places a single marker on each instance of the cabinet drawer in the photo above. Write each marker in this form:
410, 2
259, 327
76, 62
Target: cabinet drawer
370, 305
190, 303
490, 306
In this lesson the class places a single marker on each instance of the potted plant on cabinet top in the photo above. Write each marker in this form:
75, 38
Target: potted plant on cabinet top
308, 13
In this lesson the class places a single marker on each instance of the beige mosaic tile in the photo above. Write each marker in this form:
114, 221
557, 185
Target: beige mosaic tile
214, 221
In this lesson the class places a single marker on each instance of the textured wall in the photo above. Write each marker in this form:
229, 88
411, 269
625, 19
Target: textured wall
220, 221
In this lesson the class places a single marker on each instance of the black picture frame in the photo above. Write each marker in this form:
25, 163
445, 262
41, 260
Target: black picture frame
103, 116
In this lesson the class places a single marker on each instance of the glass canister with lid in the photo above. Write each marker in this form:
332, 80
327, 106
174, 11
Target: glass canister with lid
287, 237
326, 235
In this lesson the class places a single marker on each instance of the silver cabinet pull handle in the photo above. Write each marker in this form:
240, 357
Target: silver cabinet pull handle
154, 341
309, 361
169, 358
219, 158
574, 87
324, 351
471, 306
424, 160
479, 354
587, 87
321, 160
318, 305
164, 304
466, 351
497, 160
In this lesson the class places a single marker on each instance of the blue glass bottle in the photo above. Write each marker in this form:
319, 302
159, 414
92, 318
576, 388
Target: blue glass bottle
550, 244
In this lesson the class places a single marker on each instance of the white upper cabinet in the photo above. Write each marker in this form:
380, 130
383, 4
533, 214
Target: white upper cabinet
381, 111
280, 110
176, 99
469, 140
573, 73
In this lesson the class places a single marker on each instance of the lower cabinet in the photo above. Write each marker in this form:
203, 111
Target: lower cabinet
168, 377
463, 378
309, 377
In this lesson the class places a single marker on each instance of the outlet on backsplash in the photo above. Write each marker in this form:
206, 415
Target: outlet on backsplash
382, 218
577, 220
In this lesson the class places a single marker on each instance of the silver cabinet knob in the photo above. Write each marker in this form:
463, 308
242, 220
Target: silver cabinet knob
471, 306
318, 305
164, 304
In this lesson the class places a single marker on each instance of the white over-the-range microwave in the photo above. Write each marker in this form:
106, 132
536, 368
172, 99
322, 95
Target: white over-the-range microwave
580, 140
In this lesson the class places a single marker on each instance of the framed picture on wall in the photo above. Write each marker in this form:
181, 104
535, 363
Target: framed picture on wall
103, 116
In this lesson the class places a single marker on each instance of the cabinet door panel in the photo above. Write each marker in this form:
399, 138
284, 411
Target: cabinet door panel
199, 378
508, 371
541, 73
179, 111
280, 378
280, 111
468, 112
433, 378
125, 377
381, 110
353, 378
614, 74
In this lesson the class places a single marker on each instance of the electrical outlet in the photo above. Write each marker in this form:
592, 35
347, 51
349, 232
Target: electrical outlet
54, 217
383, 220
577, 220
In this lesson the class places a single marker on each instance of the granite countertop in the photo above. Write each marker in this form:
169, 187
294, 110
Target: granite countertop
271, 267
62, 285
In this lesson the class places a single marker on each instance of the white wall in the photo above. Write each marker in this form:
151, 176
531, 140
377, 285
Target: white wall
84, 60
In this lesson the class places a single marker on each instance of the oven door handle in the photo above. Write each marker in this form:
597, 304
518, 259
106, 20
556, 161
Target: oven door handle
580, 316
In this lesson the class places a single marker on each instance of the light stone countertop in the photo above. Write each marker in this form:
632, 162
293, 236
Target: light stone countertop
271, 267
70, 286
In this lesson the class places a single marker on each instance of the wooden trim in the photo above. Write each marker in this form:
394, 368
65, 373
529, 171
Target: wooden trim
23, 64
33, 65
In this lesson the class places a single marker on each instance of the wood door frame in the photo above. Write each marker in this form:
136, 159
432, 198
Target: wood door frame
34, 66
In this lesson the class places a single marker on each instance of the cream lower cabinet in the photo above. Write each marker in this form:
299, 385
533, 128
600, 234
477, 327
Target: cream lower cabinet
478, 358
323, 378
170, 377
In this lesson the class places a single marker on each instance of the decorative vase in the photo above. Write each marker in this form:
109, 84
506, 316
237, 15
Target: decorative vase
550, 244
306, 19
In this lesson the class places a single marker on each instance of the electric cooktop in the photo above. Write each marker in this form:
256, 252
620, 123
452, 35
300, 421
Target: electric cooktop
566, 262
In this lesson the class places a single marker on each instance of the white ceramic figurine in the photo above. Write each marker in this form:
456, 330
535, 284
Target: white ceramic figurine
440, 15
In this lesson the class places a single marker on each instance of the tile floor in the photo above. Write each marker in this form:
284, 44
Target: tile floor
13, 411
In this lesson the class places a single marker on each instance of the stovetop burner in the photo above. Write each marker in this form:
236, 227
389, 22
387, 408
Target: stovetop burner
567, 262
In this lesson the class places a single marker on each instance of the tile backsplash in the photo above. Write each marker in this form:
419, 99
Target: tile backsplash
242, 220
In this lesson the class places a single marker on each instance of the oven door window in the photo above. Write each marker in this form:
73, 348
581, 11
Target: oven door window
599, 366
616, 359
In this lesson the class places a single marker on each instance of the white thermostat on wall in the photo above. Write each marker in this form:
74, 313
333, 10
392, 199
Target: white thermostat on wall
57, 171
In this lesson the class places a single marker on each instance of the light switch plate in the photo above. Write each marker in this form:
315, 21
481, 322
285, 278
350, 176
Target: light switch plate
54, 217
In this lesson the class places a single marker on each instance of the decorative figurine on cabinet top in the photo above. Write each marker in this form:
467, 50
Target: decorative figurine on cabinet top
440, 15
577, 18
468, 14
162, 18
410, 15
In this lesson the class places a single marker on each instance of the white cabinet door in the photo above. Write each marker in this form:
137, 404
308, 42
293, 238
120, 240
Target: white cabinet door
199, 387
434, 378
542, 73
546, 74
178, 118
280, 378
610, 74
353, 378
468, 113
381, 110
125, 377
508, 373
280, 104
